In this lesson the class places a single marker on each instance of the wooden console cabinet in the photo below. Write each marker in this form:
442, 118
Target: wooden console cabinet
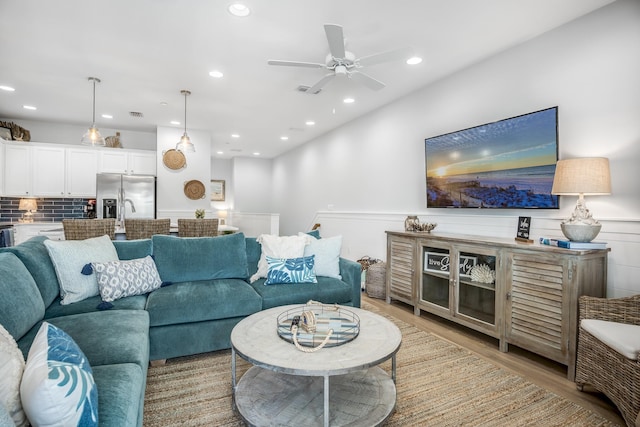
521, 294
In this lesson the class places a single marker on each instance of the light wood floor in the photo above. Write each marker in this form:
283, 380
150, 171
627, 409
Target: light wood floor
540, 371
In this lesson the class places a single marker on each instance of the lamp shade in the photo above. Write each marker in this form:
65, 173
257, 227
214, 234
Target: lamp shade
28, 205
588, 175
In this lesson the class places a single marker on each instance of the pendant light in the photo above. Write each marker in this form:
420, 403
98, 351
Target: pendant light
92, 135
185, 144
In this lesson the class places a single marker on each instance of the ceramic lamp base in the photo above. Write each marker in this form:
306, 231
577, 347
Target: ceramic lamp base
580, 232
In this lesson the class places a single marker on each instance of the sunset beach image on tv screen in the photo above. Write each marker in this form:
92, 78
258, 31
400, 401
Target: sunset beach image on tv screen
506, 164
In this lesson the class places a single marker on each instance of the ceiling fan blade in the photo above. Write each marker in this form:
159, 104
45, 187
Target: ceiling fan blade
335, 38
391, 55
296, 64
367, 80
320, 84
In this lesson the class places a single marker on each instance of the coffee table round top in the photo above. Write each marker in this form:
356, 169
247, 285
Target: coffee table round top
256, 340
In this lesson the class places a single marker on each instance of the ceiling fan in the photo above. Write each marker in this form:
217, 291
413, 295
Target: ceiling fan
341, 62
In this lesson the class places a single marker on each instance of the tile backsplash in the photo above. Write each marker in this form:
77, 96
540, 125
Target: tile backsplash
49, 209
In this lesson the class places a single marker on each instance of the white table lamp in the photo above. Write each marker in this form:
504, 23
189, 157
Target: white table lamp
582, 176
30, 206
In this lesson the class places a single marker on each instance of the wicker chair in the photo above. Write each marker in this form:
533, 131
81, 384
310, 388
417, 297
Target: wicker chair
80, 229
604, 368
145, 228
198, 227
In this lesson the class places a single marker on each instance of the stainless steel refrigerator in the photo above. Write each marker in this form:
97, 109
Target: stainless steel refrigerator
125, 196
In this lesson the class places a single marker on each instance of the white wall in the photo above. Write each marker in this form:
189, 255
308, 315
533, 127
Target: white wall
372, 169
61, 133
172, 201
252, 185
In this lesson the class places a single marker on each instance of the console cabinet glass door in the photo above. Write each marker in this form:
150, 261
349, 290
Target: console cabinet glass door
476, 286
435, 289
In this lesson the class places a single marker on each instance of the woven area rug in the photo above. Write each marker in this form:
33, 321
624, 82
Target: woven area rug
438, 384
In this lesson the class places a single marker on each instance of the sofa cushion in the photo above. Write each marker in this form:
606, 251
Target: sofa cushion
184, 259
133, 249
119, 389
106, 337
57, 385
290, 270
89, 305
11, 368
70, 256
21, 305
35, 256
278, 247
327, 255
119, 279
205, 300
328, 290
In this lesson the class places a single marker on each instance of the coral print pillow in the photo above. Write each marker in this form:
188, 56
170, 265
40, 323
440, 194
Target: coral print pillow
57, 386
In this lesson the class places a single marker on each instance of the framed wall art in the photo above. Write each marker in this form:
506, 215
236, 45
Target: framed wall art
217, 190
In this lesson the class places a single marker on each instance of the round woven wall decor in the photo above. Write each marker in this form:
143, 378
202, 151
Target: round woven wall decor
194, 189
174, 159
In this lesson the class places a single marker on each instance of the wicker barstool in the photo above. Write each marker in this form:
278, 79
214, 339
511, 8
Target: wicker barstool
198, 227
608, 371
80, 229
145, 228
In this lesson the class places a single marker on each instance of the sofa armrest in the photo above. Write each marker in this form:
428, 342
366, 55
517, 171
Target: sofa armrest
621, 310
351, 274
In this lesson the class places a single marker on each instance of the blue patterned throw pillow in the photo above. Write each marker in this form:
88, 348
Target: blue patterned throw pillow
119, 279
57, 385
290, 270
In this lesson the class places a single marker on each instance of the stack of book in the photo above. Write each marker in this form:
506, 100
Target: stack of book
568, 244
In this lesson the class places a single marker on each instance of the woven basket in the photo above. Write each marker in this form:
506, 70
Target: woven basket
376, 280
145, 228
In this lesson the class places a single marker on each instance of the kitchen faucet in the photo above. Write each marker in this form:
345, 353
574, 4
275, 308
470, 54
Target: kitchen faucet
121, 206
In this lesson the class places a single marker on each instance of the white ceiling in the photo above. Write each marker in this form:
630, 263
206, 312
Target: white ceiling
146, 51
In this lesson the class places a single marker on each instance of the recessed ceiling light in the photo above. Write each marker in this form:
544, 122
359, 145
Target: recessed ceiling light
348, 100
219, 152
235, 135
215, 73
309, 123
175, 122
239, 9
29, 107
107, 116
256, 154
414, 60
7, 88
284, 138
164, 103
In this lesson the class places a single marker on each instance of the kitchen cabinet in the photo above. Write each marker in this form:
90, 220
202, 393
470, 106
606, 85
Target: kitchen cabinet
522, 294
17, 170
23, 232
131, 162
48, 171
81, 172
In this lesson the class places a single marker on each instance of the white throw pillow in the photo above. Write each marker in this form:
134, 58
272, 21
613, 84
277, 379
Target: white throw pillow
327, 255
278, 247
57, 386
11, 368
70, 256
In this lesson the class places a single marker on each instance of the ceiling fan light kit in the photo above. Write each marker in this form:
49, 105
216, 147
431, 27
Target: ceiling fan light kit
341, 62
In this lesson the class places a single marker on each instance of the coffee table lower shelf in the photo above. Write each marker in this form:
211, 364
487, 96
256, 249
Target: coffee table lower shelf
362, 398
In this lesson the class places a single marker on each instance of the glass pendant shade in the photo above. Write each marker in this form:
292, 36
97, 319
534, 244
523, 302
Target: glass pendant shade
92, 135
185, 144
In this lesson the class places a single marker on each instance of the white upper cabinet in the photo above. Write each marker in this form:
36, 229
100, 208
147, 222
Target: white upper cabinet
48, 171
17, 170
82, 164
131, 162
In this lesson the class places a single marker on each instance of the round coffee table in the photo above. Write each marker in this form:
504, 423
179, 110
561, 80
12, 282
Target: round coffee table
335, 386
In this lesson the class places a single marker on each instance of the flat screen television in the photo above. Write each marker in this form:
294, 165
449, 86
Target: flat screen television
508, 164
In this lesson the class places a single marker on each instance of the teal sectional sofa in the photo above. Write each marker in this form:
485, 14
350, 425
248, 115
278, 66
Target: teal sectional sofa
204, 294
